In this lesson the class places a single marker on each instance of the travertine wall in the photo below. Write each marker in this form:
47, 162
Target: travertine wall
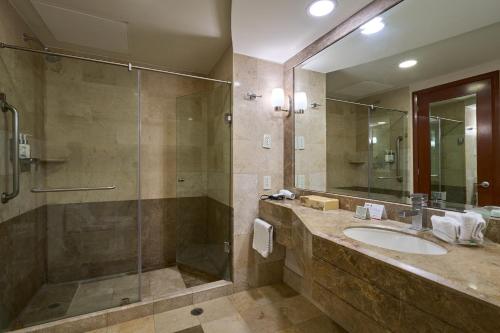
346, 145
310, 162
22, 220
21, 79
251, 162
90, 124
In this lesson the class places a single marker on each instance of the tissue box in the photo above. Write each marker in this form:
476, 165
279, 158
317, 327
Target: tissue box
321, 203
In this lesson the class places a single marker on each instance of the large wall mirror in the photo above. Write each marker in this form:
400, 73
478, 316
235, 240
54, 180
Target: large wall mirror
408, 102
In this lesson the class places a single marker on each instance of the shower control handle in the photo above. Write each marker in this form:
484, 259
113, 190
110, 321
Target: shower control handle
180, 180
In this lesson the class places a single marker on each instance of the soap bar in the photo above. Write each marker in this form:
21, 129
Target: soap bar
321, 203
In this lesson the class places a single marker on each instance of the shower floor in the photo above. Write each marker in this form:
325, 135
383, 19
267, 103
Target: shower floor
57, 301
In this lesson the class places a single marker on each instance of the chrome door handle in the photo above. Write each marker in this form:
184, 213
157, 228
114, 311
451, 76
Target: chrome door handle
15, 150
484, 184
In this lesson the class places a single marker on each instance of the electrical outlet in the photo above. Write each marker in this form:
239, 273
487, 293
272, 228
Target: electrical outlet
300, 181
300, 142
266, 141
267, 182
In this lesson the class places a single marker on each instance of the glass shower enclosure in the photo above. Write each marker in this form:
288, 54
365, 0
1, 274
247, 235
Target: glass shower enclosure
367, 150
124, 194
71, 234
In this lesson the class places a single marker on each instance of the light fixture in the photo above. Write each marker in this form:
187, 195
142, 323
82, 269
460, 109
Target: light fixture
300, 102
320, 8
278, 99
408, 63
372, 26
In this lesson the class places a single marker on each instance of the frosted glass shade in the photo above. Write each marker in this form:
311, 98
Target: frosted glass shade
278, 98
300, 100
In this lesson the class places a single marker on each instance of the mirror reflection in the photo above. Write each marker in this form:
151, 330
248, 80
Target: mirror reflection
407, 107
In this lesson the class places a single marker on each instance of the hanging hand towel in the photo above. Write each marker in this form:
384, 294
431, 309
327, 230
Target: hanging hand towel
262, 237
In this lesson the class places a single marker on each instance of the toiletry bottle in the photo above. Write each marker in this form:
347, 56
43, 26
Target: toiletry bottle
24, 147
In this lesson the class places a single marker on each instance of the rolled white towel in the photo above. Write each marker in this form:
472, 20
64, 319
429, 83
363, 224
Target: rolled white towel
459, 217
445, 228
472, 225
479, 224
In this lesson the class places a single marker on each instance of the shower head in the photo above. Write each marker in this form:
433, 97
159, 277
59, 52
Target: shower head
49, 57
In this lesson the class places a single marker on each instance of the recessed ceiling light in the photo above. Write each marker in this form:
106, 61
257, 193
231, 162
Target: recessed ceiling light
321, 7
408, 63
372, 26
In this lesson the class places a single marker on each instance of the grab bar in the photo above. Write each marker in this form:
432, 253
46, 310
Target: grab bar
398, 157
399, 178
72, 189
15, 149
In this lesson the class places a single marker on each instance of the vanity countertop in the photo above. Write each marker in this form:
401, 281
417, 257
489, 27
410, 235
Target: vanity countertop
474, 271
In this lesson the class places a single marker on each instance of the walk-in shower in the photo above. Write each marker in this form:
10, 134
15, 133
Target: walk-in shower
373, 158
125, 192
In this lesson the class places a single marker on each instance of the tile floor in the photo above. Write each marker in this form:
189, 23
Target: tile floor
268, 309
56, 301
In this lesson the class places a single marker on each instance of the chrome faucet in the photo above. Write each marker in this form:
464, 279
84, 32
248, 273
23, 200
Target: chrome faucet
417, 212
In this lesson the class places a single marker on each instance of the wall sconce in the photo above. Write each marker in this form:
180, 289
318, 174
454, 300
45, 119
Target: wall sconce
278, 100
300, 102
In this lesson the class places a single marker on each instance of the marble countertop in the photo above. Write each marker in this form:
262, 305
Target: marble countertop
474, 271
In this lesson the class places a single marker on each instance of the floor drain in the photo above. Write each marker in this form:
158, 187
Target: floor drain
197, 311
125, 301
53, 305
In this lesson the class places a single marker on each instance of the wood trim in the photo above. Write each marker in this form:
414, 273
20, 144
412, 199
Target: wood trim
488, 138
343, 29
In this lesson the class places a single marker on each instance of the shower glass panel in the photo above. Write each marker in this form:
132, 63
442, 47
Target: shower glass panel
347, 148
203, 155
72, 233
454, 150
388, 154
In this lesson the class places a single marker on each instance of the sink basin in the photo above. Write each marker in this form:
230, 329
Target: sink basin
394, 240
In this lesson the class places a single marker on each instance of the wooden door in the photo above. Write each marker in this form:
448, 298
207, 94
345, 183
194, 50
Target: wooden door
486, 90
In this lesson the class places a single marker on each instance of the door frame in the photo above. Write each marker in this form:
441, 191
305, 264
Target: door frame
488, 137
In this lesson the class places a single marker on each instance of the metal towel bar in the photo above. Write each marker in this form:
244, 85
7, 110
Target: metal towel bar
72, 189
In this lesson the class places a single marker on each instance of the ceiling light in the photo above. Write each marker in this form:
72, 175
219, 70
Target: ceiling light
408, 63
372, 26
321, 7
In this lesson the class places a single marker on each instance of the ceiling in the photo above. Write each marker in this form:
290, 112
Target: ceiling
474, 48
454, 35
409, 25
276, 30
187, 35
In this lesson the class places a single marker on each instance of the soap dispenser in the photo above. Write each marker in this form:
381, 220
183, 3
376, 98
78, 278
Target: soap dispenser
24, 147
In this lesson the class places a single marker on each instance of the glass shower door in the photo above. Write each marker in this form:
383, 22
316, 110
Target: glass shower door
203, 162
388, 154
73, 229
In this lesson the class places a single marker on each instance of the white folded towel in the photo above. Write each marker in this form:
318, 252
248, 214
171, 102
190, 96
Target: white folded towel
472, 225
262, 237
445, 228
476, 223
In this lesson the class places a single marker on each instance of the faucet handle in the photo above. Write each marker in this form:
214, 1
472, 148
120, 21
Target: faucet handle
417, 198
